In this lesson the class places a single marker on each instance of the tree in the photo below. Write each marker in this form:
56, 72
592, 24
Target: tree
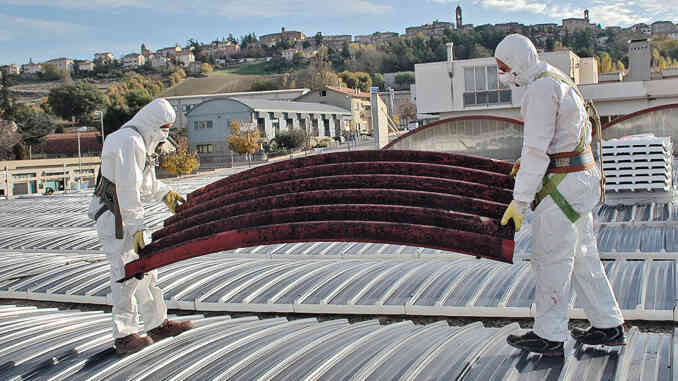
128, 97
206, 68
243, 141
34, 124
77, 100
378, 81
480, 51
292, 139
196, 45
9, 137
182, 161
231, 39
176, 77
408, 112
264, 85
6, 103
404, 79
247, 40
319, 74
605, 63
50, 72
19, 152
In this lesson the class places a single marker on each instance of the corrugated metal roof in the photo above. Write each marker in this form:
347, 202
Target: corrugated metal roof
58, 345
436, 286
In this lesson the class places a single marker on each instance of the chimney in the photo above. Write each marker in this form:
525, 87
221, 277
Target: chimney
639, 60
450, 51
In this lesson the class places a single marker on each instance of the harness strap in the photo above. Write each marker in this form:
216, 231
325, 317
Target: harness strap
591, 112
105, 190
567, 162
550, 188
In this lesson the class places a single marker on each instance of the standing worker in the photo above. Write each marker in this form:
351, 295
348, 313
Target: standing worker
558, 176
127, 177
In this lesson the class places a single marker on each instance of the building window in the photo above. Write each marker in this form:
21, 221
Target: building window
205, 148
482, 87
202, 124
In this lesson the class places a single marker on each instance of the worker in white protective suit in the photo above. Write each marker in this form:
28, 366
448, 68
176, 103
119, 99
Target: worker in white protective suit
127, 178
559, 179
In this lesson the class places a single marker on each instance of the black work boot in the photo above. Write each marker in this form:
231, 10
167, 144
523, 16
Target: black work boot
531, 342
131, 343
600, 336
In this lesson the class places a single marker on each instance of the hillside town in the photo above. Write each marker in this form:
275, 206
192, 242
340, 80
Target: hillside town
287, 44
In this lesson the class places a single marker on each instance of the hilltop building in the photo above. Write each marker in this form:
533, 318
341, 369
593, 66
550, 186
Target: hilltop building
437, 28
274, 38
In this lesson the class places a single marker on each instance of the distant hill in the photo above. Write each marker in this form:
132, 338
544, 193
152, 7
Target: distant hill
223, 81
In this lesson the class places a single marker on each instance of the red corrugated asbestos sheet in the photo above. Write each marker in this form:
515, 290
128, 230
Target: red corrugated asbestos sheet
430, 199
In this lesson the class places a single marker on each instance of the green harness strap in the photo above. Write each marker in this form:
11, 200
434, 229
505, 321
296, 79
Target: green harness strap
550, 184
550, 188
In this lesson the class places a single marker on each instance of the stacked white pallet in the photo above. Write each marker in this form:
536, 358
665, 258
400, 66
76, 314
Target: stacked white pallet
638, 163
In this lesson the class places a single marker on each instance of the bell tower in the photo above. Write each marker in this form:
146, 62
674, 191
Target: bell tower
459, 22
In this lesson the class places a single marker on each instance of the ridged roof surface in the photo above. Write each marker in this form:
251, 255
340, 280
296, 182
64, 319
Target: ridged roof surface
48, 344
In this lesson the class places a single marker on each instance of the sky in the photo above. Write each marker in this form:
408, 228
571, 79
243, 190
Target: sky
47, 29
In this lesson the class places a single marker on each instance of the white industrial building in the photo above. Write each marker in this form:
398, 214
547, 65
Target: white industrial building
184, 103
455, 88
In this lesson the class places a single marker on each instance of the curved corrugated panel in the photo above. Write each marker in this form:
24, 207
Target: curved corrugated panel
645, 289
60, 223
49, 344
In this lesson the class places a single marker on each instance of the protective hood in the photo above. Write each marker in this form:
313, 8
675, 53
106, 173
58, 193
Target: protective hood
149, 120
519, 53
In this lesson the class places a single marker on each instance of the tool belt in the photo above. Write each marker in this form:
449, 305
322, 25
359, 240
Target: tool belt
560, 165
105, 190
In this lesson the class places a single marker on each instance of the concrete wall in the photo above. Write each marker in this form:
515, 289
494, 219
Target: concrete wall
379, 121
568, 62
639, 61
589, 70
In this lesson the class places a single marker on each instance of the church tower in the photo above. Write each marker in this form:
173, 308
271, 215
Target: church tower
459, 22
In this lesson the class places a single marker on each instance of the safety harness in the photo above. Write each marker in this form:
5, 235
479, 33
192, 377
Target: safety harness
105, 190
561, 164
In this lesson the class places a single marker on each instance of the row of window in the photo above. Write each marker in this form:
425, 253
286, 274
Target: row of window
202, 124
482, 86
205, 148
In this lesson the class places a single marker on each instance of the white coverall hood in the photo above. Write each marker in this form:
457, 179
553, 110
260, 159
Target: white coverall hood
519, 53
149, 120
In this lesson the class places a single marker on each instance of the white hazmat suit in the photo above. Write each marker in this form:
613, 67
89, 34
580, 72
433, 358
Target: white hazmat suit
564, 253
124, 162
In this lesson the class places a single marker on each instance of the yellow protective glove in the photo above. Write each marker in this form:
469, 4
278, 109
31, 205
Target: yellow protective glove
514, 170
172, 199
139, 243
515, 212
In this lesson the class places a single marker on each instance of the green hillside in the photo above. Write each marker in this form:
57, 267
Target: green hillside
229, 80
